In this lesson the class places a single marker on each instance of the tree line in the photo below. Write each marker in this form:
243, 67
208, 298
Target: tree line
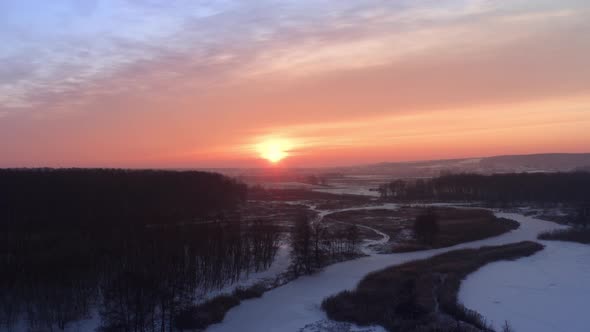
501, 188
138, 247
97, 198
571, 189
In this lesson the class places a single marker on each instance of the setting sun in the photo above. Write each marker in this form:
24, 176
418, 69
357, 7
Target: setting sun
273, 150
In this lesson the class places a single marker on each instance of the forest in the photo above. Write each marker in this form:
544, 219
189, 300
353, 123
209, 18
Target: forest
99, 198
136, 247
501, 189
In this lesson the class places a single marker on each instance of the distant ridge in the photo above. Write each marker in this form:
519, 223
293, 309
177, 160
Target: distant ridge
542, 162
546, 162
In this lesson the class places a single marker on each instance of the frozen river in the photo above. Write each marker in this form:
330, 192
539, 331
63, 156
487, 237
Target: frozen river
547, 292
297, 304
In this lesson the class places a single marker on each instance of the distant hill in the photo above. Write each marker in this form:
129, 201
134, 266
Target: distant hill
583, 169
551, 162
538, 162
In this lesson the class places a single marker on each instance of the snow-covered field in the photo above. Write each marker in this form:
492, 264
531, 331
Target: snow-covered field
547, 292
296, 305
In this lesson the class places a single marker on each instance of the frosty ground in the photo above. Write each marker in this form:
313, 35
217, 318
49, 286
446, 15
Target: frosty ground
296, 305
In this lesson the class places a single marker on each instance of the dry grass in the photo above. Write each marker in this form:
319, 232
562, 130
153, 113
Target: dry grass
455, 225
390, 222
303, 194
421, 295
470, 225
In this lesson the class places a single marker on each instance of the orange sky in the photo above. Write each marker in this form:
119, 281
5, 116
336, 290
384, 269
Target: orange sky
338, 84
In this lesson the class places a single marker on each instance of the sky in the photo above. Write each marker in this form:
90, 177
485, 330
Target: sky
312, 83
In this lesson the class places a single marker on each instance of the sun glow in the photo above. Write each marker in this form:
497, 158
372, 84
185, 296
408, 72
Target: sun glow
273, 150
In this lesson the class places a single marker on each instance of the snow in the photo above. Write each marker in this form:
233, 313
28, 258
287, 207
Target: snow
548, 291
297, 304
332, 326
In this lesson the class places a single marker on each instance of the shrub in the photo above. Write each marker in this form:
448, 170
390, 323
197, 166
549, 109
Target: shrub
251, 292
203, 315
580, 235
426, 227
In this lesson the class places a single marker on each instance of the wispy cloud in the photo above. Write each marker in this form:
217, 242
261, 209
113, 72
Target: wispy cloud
174, 77
129, 46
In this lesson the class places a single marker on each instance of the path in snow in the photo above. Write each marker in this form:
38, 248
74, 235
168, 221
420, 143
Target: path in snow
546, 292
367, 244
366, 247
297, 304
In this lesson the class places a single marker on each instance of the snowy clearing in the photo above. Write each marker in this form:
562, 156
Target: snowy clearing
297, 304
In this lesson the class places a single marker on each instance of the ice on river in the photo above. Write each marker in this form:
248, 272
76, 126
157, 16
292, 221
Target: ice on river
297, 304
547, 292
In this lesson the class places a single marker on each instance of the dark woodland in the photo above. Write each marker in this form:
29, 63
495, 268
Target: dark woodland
138, 247
497, 189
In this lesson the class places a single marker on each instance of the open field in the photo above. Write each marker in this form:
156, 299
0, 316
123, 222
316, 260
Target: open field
421, 295
455, 225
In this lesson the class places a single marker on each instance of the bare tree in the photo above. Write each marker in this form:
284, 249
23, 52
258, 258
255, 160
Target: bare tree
301, 246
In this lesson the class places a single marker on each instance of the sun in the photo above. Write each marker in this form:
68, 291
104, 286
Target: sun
273, 150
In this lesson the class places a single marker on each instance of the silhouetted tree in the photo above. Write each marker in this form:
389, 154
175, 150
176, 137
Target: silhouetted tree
383, 190
319, 232
139, 245
426, 227
500, 189
582, 216
301, 246
353, 238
